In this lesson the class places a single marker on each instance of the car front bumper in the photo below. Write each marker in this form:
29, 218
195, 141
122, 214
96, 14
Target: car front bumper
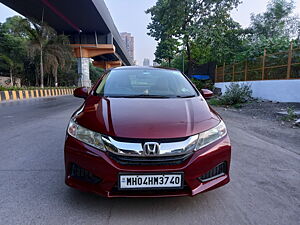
106, 170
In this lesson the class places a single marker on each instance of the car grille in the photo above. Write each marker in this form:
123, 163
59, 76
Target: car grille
214, 173
147, 152
149, 161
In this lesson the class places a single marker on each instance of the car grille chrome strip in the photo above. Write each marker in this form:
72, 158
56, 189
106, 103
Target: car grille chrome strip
137, 148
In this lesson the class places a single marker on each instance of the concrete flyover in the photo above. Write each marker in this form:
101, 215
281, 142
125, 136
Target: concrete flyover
89, 26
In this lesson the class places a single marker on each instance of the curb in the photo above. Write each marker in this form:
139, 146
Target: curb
27, 94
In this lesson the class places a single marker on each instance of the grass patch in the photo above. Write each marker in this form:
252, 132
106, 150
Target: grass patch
291, 115
220, 102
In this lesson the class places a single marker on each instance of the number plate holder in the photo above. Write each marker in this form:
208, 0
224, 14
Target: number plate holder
146, 177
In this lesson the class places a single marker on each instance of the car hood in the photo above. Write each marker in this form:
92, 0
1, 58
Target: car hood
146, 118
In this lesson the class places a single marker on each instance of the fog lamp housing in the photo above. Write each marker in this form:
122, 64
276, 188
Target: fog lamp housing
218, 171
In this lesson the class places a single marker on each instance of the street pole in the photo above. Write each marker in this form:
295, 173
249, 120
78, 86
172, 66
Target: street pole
182, 62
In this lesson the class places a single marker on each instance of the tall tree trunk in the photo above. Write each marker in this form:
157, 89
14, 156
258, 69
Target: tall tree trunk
48, 81
42, 68
11, 77
169, 62
55, 80
36, 79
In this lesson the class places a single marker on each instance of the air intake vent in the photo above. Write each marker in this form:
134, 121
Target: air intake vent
214, 173
83, 174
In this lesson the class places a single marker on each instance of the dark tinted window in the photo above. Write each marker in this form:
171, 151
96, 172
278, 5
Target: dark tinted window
145, 83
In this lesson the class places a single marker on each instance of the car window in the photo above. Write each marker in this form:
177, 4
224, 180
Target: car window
145, 83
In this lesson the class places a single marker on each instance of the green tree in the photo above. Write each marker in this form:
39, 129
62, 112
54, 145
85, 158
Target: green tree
272, 30
8, 61
19, 45
220, 40
95, 73
12, 66
12, 51
68, 77
277, 21
179, 62
166, 50
49, 47
12, 27
182, 20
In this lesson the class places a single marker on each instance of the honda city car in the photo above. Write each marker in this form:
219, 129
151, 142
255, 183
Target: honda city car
146, 132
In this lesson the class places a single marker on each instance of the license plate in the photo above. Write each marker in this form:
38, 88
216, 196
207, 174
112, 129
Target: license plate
151, 181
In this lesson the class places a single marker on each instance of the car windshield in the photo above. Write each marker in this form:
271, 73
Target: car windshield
145, 83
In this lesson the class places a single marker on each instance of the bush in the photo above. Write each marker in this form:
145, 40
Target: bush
200, 84
236, 94
9, 88
214, 101
291, 115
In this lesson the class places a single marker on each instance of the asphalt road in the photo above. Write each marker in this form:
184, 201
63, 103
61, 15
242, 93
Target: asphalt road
265, 185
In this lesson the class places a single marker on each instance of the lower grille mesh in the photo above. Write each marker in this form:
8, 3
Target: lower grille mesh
83, 174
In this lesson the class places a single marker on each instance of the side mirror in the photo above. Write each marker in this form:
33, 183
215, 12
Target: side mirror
207, 94
81, 92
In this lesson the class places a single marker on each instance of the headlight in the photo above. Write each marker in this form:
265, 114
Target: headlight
85, 135
212, 135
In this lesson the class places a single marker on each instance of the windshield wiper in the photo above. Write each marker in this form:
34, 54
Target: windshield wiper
146, 96
185, 96
138, 96
149, 96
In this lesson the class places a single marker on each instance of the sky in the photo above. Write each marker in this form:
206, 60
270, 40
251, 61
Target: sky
129, 16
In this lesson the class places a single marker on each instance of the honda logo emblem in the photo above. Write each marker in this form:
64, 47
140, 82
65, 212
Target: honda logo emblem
151, 148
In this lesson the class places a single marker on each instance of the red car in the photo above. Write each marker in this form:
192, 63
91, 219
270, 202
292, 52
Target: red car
146, 132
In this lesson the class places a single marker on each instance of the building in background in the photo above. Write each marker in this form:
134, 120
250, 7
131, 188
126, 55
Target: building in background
146, 62
129, 43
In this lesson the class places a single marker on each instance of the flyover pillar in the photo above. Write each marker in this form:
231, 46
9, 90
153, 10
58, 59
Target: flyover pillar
83, 53
83, 65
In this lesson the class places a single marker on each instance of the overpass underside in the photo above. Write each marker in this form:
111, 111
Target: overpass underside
104, 56
89, 26
100, 50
